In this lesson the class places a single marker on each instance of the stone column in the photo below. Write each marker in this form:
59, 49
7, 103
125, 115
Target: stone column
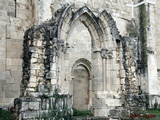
107, 73
151, 55
44, 10
53, 71
90, 92
106, 56
58, 46
104, 73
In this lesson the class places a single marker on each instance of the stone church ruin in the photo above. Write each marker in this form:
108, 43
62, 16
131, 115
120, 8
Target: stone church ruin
79, 58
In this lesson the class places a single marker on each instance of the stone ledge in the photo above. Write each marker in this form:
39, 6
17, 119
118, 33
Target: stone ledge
90, 118
30, 114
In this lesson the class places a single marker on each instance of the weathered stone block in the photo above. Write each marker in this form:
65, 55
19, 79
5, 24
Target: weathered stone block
31, 88
2, 75
114, 81
2, 60
133, 69
6, 101
2, 93
113, 102
2, 53
122, 73
32, 85
35, 66
46, 104
9, 61
9, 31
34, 55
12, 94
103, 112
2, 68
66, 56
66, 62
34, 105
103, 103
96, 84
33, 78
33, 60
16, 73
97, 103
53, 81
17, 62
6, 86
51, 75
30, 114
11, 13
16, 22
53, 66
8, 73
33, 72
114, 113
22, 2
123, 81
21, 14
41, 74
12, 48
41, 88
0, 87
15, 87
25, 106
39, 43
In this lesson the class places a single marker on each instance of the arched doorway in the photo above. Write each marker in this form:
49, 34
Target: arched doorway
91, 38
81, 88
81, 84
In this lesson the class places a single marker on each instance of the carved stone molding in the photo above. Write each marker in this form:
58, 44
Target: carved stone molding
150, 50
107, 53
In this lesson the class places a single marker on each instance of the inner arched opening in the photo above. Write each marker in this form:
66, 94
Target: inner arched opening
80, 49
81, 88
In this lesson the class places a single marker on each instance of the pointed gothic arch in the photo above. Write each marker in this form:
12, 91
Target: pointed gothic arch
83, 83
104, 33
84, 62
102, 28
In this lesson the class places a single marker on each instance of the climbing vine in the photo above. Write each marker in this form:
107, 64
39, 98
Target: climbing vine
82, 112
143, 36
59, 108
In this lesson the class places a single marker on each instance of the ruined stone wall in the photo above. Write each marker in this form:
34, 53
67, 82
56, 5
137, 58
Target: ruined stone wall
18, 15
117, 8
156, 36
15, 17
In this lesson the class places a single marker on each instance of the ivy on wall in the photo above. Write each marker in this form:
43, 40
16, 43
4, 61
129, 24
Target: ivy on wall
143, 36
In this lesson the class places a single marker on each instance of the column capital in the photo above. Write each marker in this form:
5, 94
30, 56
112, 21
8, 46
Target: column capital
106, 53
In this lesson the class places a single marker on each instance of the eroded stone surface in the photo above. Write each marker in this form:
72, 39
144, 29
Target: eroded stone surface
67, 37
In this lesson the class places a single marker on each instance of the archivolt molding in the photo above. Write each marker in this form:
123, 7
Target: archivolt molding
62, 23
66, 14
84, 62
102, 28
111, 23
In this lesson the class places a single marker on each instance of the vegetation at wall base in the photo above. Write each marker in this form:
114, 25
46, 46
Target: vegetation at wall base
143, 36
81, 112
6, 115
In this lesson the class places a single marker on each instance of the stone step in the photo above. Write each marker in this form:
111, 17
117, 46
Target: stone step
90, 118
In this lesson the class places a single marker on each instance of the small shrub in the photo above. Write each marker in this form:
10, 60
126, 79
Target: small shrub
6, 115
81, 112
158, 109
155, 105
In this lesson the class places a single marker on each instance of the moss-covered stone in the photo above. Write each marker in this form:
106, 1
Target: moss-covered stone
143, 36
